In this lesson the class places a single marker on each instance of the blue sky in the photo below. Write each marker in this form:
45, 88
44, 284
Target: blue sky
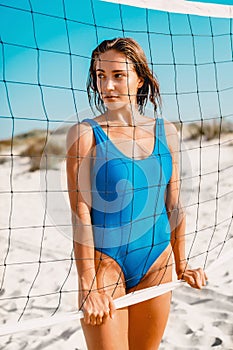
42, 57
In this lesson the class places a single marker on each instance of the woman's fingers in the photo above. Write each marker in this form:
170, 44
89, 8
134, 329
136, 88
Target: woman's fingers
87, 317
93, 319
98, 308
196, 278
112, 308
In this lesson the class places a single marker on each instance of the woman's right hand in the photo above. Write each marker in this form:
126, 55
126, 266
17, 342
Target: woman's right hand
97, 307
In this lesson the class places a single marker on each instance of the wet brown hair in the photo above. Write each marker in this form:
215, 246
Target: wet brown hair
133, 51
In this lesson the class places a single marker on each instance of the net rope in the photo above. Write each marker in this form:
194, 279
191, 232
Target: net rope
47, 238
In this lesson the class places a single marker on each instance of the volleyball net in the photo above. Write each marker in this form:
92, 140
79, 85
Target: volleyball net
43, 75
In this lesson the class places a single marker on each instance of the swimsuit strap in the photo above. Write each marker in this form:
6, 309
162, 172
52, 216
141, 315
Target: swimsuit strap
160, 132
161, 136
99, 134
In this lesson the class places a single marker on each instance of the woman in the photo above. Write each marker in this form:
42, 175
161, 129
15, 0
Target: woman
123, 182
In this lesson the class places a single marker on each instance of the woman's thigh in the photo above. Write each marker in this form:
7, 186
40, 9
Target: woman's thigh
147, 322
148, 319
113, 333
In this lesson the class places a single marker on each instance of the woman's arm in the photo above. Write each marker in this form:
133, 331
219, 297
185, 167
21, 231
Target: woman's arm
95, 305
79, 143
177, 217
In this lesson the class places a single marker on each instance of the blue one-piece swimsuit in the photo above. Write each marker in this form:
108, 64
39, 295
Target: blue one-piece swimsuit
129, 217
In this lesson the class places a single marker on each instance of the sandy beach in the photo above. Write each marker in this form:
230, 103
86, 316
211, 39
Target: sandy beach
38, 275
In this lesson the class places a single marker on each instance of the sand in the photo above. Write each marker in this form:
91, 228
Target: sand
37, 253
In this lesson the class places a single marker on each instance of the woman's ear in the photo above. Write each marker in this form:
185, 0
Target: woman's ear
140, 82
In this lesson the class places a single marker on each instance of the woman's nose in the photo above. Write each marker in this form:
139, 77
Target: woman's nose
109, 84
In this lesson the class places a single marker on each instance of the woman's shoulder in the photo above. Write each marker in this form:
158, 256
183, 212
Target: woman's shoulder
170, 126
80, 135
172, 135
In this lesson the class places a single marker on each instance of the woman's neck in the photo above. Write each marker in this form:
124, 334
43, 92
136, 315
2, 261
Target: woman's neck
127, 116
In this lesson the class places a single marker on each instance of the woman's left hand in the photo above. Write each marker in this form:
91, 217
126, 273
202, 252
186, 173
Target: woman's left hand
196, 278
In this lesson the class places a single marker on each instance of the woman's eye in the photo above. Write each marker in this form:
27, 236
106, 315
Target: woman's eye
100, 76
118, 75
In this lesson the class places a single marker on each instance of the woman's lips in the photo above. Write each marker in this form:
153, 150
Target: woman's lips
110, 97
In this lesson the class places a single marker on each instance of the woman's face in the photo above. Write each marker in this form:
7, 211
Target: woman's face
117, 80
